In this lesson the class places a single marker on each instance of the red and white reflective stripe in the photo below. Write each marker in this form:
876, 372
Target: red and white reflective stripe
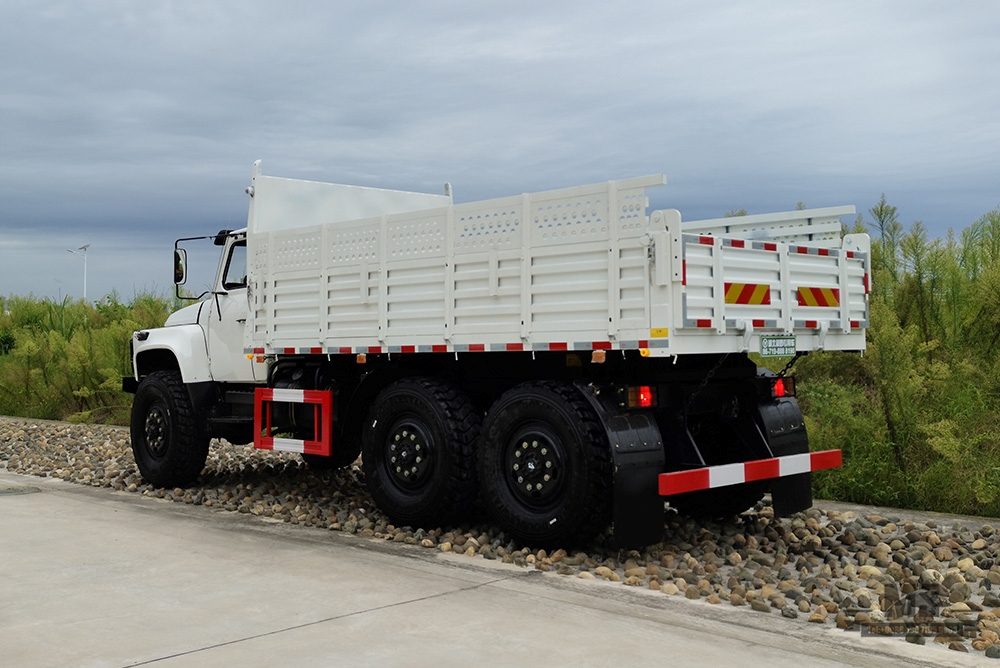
322, 402
680, 482
542, 346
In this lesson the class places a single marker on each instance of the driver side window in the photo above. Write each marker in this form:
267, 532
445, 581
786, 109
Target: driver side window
235, 275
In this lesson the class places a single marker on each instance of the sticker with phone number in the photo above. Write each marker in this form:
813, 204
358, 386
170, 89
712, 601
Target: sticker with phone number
777, 346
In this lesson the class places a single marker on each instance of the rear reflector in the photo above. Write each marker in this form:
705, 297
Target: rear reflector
711, 477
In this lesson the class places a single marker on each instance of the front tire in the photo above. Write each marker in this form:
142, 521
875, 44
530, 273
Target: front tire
545, 465
169, 447
418, 452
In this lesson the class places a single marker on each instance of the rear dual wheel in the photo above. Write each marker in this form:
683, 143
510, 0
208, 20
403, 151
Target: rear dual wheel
418, 452
545, 465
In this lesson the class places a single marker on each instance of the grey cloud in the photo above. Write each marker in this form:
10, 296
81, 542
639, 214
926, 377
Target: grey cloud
135, 123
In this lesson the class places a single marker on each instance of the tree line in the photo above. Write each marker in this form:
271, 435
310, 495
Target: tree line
918, 415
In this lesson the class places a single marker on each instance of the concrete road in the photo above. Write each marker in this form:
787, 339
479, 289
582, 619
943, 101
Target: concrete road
92, 577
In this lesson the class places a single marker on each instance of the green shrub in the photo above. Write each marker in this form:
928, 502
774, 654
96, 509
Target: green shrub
65, 359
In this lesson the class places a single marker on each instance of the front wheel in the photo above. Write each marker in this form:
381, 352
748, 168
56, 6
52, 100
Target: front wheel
545, 465
169, 447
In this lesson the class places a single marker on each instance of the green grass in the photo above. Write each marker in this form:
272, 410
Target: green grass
64, 360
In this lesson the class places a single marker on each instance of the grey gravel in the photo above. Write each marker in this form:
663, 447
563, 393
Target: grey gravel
902, 574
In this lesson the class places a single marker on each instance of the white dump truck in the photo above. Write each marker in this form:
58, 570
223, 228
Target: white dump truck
567, 359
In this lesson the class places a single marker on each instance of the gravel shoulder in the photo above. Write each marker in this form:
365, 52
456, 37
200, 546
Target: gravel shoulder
824, 579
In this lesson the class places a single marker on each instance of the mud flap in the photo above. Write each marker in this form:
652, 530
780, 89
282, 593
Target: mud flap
637, 460
637, 456
785, 431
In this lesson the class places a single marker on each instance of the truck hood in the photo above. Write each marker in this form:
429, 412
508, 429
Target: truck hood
185, 316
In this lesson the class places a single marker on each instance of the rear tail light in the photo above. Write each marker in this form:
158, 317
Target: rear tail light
783, 387
642, 396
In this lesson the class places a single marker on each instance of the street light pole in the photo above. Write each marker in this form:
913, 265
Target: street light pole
84, 256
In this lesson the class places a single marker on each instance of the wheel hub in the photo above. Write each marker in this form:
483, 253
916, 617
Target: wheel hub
408, 455
534, 468
157, 431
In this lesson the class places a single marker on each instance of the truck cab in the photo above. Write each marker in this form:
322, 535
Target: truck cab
197, 357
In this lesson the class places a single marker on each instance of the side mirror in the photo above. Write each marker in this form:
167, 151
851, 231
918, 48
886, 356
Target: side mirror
180, 266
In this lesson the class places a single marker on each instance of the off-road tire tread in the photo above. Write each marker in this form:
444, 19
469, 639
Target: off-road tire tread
461, 425
590, 512
188, 450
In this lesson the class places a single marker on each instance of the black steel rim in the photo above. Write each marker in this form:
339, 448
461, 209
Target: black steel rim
534, 466
157, 430
409, 454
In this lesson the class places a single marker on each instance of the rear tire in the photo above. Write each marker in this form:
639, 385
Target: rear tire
545, 465
418, 452
168, 444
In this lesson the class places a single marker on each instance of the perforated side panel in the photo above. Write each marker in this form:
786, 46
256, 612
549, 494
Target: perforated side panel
488, 228
297, 253
417, 237
466, 273
346, 245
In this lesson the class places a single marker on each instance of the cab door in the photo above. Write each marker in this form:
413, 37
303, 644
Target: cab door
228, 309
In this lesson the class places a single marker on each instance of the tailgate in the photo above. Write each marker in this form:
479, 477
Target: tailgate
780, 297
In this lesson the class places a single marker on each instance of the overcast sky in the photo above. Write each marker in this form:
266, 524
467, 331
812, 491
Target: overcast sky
128, 124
